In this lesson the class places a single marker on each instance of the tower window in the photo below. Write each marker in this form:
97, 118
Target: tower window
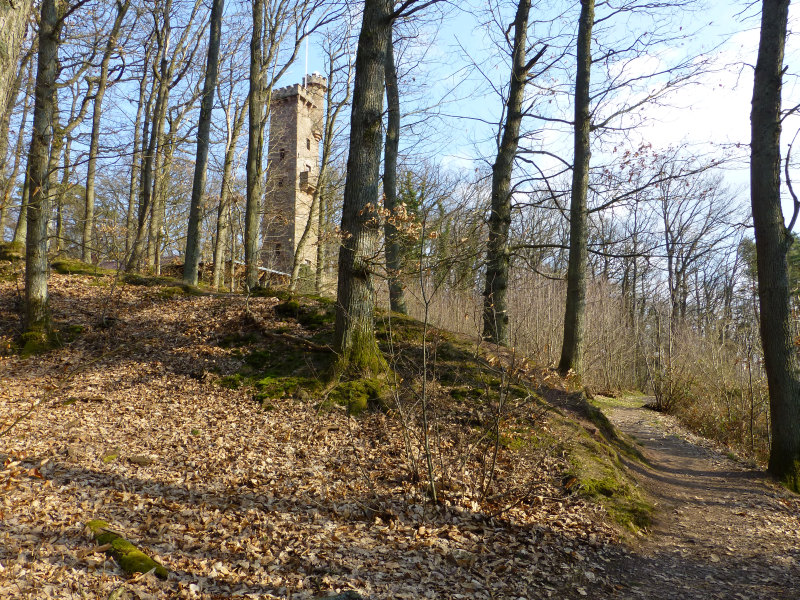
280, 183
283, 153
308, 144
278, 249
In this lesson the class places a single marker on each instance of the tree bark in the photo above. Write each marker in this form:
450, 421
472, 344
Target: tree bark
773, 241
18, 152
495, 308
393, 251
94, 140
224, 210
355, 332
13, 23
139, 140
37, 316
255, 148
21, 230
575, 314
192, 259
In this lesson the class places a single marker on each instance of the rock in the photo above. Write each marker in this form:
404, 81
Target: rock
142, 461
348, 595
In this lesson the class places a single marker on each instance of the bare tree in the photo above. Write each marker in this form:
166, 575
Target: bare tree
495, 317
773, 240
192, 258
94, 143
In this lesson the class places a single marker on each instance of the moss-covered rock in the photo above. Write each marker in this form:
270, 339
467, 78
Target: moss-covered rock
128, 556
359, 395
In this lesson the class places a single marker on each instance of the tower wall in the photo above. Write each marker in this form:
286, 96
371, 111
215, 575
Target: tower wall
292, 171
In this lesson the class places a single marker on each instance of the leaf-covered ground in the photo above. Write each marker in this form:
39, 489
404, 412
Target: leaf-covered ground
127, 422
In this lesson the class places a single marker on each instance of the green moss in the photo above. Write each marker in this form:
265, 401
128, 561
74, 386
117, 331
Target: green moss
195, 432
36, 342
111, 457
311, 313
603, 478
12, 251
238, 339
67, 266
278, 387
232, 382
128, 556
358, 395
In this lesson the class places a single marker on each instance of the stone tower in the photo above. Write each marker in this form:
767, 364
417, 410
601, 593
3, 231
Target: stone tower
293, 168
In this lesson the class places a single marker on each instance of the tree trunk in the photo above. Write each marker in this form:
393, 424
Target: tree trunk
355, 331
139, 141
192, 259
8, 110
772, 245
14, 17
94, 140
495, 311
224, 225
63, 188
37, 316
575, 314
154, 144
21, 230
255, 148
393, 250
18, 152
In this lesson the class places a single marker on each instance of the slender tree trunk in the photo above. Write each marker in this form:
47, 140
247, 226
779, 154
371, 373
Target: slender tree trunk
255, 148
8, 110
14, 18
37, 316
355, 331
94, 140
192, 260
63, 188
221, 242
394, 258
154, 145
773, 241
495, 304
18, 152
139, 141
21, 230
575, 314
322, 255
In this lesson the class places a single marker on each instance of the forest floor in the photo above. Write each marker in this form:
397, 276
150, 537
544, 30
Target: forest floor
128, 422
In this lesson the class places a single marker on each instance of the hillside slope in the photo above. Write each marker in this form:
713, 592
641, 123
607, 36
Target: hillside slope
206, 430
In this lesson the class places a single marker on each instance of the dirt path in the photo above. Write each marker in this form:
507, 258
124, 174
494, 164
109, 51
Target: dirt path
721, 530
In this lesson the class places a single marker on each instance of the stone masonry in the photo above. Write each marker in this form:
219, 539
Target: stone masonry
293, 168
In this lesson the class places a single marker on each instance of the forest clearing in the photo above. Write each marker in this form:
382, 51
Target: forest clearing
131, 422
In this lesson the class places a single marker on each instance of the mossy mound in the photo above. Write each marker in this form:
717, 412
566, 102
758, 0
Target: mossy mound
128, 556
11, 251
68, 266
311, 313
359, 395
39, 341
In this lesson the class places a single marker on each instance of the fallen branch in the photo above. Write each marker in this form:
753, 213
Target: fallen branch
128, 556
